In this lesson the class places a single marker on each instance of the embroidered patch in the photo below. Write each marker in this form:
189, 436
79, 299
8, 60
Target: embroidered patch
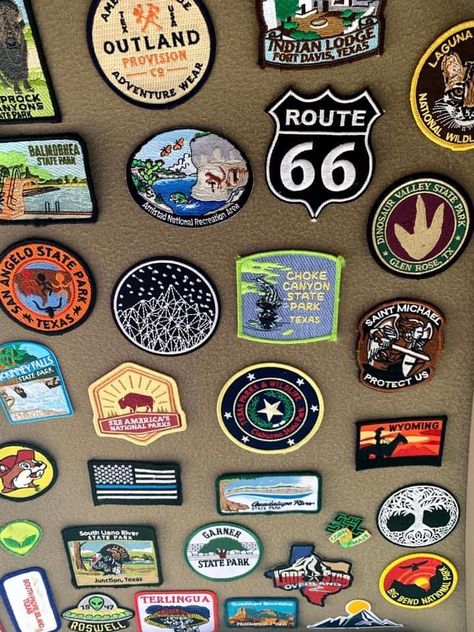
347, 530
32, 387
418, 515
152, 54
321, 151
96, 613
189, 177
274, 492
26, 90
420, 226
442, 89
166, 306
418, 581
359, 615
135, 483
315, 577
318, 33
136, 404
288, 296
270, 408
261, 613
177, 610
223, 551
397, 442
20, 537
28, 598
26, 472
400, 343
115, 556
45, 286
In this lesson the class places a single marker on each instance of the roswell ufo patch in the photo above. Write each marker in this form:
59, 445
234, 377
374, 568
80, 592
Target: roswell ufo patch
96, 613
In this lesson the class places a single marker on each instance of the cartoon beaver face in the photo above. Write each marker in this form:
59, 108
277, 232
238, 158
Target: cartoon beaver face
20, 471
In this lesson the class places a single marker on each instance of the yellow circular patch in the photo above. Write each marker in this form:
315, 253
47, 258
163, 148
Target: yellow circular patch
25, 472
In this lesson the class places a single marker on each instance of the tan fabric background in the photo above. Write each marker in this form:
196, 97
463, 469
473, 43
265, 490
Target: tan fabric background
233, 102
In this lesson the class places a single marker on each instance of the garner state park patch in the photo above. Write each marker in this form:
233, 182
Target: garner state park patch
153, 54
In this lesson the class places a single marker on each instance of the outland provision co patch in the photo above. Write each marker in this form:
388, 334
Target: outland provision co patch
115, 556
26, 472
177, 610
288, 296
316, 33
400, 343
98, 613
153, 54
359, 615
398, 442
261, 613
442, 89
189, 177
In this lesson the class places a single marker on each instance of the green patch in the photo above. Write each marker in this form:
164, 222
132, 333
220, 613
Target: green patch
20, 537
290, 25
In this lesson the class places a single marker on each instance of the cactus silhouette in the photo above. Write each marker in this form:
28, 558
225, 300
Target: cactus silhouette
423, 239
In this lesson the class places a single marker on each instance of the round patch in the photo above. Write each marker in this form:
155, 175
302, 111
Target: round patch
165, 306
223, 551
420, 226
270, 408
45, 286
418, 515
189, 177
152, 54
442, 89
26, 472
418, 581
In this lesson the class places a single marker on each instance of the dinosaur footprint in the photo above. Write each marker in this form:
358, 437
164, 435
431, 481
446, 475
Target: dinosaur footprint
423, 239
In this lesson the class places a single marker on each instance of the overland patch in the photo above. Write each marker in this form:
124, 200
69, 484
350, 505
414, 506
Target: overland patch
261, 613
26, 472
98, 613
178, 611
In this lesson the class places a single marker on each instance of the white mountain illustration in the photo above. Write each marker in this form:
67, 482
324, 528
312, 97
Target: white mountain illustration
364, 619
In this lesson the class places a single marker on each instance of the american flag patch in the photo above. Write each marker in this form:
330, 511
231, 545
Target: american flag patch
135, 483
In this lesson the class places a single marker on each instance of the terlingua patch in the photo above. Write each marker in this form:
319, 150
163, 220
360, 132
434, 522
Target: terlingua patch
32, 387
442, 89
261, 613
397, 442
420, 226
180, 610
136, 404
288, 296
26, 90
97, 613
165, 306
115, 556
321, 152
153, 54
26, 472
400, 343
311, 34
223, 551
189, 177
45, 286
275, 492
20, 537
418, 581
45, 179
270, 408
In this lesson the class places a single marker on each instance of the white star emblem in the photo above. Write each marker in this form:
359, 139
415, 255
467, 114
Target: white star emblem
251, 376
300, 382
245, 439
290, 442
228, 415
314, 408
271, 410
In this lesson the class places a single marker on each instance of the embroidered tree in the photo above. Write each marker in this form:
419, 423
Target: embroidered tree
77, 556
222, 546
285, 9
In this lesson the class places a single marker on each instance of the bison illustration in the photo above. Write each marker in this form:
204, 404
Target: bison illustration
13, 49
136, 400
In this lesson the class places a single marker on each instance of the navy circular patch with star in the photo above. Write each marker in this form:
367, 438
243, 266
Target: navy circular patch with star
270, 408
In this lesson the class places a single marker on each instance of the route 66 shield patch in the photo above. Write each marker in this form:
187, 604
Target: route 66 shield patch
321, 151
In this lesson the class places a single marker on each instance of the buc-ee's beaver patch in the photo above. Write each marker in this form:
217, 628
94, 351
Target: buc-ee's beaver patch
26, 472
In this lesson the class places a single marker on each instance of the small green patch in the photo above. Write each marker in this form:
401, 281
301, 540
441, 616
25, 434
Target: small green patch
290, 25
20, 537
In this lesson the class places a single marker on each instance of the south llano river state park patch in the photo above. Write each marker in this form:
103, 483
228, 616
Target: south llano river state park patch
153, 54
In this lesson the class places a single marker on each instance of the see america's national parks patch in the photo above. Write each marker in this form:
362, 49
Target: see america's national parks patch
113, 556
153, 54
165, 306
288, 296
442, 89
420, 225
176, 610
45, 179
20, 537
136, 404
400, 343
45, 286
32, 386
26, 472
26, 90
264, 612
189, 177
97, 612
315, 33
223, 551
359, 615
398, 442
418, 581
